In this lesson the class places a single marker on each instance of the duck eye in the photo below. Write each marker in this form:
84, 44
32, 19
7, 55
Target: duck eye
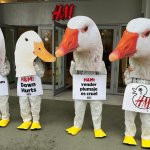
140, 89
26, 39
85, 29
145, 34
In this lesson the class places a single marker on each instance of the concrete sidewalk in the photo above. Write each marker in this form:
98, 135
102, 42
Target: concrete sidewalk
67, 96
56, 116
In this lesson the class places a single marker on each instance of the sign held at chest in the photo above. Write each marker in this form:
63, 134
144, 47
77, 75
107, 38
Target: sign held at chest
29, 86
89, 87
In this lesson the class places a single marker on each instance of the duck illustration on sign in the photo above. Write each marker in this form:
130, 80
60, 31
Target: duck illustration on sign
135, 44
29, 70
140, 95
140, 99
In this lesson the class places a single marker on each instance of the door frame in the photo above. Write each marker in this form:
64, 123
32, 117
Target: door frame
40, 28
120, 26
58, 90
114, 65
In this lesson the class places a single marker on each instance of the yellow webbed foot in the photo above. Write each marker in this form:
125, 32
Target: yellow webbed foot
145, 143
99, 133
25, 125
129, 140
4, 123
35, 126
73, 130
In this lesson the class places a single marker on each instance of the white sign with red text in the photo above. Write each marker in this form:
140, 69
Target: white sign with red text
29, 86
89, 87
3, 86
137, 98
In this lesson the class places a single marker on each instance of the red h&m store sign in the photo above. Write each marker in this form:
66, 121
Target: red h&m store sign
63, 12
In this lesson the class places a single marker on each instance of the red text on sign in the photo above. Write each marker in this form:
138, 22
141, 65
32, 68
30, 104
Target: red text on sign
89, 79
27, 79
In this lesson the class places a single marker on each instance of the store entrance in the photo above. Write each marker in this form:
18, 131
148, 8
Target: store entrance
55, 73
57, 77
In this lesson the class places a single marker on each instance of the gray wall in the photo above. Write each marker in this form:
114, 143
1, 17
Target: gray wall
102, 11
146, 6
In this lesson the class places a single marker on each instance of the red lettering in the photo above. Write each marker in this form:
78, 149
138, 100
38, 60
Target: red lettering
63, 12
143, 102
27, 79
89, 79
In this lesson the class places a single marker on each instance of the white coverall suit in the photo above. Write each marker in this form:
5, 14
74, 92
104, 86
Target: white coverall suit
80, 107
130, 128
30, 105
4, 105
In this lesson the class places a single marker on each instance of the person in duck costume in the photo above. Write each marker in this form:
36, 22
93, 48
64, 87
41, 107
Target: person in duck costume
83, 38
135, 44
29, 69
4, 92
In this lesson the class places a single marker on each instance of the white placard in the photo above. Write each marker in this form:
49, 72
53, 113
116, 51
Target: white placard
89, 87
29, 86
3, 86
137, 98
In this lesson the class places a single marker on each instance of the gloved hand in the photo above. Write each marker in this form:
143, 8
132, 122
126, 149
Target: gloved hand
72, 67
39, 68
6, 68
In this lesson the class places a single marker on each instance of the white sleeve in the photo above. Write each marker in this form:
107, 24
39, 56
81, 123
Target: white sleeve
6, 68
127, 78
103, 68
72, 67
39, 68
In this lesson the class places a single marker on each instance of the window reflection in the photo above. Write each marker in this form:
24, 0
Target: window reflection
107, 40
46, 35
123, 63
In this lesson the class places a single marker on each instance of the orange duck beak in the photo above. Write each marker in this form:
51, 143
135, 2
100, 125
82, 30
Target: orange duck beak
126, 46
42, 53
69, 42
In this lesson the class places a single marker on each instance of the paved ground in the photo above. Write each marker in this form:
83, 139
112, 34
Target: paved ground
56, 116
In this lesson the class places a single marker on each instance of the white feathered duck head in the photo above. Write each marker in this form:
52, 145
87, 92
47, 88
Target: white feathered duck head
28, 47
135, 42
81, 35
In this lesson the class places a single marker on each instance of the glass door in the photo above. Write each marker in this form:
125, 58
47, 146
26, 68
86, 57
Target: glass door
109, 40
122, 65
46, 34
10, 42
59, 69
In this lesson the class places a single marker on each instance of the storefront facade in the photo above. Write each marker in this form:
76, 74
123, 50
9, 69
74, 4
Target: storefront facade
19, 17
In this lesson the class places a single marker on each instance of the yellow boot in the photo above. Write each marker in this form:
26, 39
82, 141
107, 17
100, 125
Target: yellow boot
145, 143
35, 126
25, 125
129, 140
4, 123
99, 133
73, 130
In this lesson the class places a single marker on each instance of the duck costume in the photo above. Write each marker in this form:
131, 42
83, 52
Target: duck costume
135, 44
29, 71
83, 38
4, 92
